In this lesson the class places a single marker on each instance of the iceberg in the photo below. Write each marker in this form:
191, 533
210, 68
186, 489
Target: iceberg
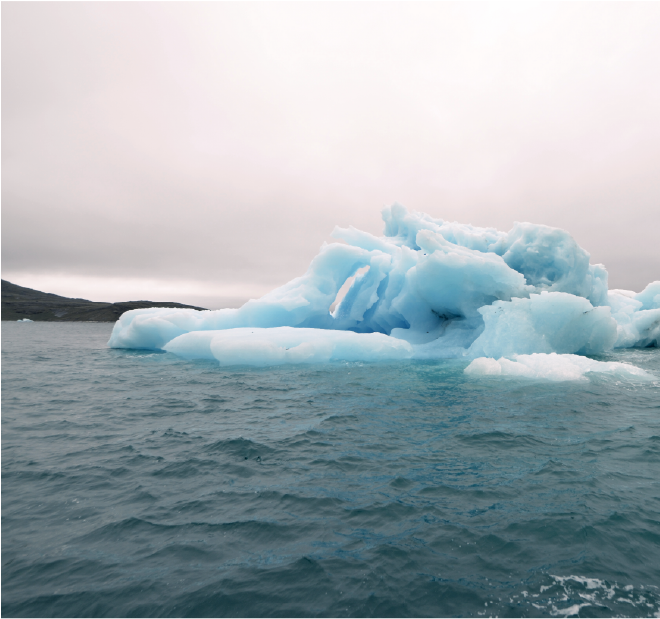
426, 289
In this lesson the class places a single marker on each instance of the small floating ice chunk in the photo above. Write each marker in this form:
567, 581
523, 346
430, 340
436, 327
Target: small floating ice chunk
552, 367
283, 345
24, 320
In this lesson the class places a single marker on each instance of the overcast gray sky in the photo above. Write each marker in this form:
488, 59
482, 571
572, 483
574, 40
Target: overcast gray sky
202, 152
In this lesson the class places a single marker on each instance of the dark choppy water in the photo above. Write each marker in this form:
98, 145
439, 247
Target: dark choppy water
136, 483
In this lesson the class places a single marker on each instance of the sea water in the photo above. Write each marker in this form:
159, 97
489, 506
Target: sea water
137, 483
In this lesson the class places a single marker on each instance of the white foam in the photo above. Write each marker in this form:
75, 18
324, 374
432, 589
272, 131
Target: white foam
570, 611
568, 595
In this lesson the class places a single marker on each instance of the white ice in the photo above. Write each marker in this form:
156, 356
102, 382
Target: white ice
438, 289
280, 345
553, 367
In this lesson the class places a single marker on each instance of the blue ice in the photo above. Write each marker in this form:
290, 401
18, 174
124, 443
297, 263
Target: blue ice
425, 289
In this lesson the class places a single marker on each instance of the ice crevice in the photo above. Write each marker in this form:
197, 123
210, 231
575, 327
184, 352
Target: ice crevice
425, 289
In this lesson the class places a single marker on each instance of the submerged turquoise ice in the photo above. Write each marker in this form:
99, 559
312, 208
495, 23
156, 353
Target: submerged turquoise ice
427, 289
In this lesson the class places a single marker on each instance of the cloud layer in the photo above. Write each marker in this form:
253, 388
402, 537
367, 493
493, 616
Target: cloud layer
219, 143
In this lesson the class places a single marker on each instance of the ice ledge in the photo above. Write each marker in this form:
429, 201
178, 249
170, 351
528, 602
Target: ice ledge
553, 367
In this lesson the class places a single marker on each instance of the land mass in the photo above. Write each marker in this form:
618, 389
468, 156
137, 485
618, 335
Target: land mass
19, 302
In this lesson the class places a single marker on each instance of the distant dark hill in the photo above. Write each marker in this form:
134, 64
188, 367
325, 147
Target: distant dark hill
19, 302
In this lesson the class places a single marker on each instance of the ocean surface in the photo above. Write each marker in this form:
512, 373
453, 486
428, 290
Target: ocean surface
136, 483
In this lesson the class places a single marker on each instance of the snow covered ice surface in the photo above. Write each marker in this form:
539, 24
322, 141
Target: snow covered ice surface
426, 289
